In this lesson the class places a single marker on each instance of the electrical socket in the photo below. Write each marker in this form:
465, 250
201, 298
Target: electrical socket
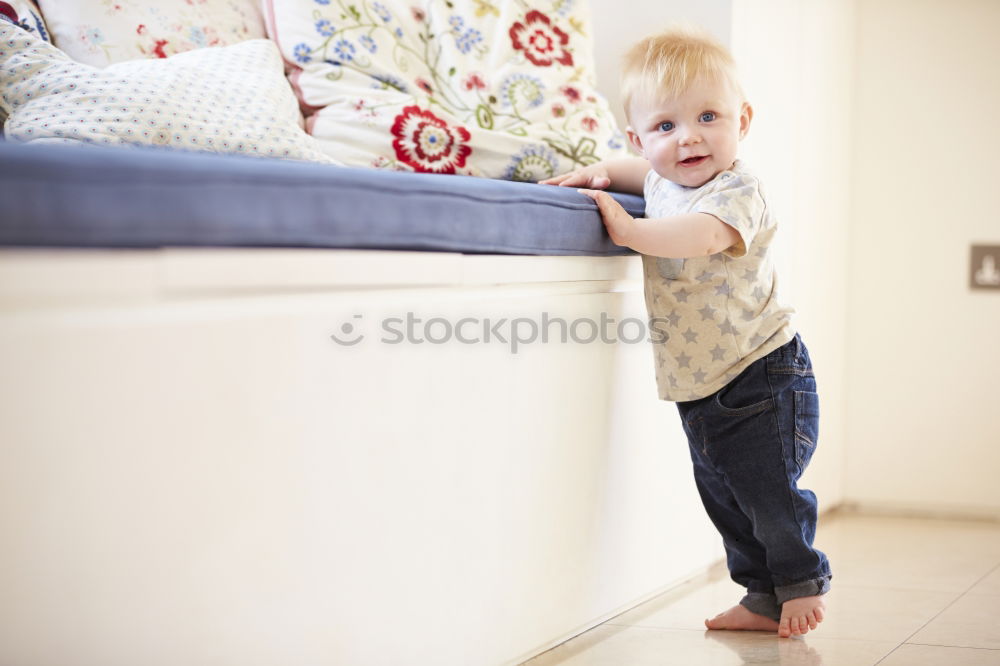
984, 269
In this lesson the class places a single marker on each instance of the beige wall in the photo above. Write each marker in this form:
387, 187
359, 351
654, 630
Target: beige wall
617, 25
796, 67
924, 351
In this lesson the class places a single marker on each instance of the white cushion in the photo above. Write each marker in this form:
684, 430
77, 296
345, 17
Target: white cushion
232, 99
101, 32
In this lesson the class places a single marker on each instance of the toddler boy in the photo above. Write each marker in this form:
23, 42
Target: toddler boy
740, 374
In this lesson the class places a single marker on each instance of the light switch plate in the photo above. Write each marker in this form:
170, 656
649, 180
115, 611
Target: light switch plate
984, 269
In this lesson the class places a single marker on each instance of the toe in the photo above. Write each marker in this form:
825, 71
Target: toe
784, 628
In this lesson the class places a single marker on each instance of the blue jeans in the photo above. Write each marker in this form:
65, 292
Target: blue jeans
750, 443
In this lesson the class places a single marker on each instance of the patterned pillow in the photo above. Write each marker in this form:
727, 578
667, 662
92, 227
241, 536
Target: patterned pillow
229, 99
101, 32
503, 90
25, 14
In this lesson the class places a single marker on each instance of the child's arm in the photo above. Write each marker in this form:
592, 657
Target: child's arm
677, 237
626, 174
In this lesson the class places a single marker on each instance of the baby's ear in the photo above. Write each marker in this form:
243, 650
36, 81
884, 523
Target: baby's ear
746, 115
634, 139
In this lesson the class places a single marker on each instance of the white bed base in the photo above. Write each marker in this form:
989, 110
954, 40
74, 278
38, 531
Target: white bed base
193, 472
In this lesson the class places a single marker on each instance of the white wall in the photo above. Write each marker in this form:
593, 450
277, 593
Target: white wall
797, 66
924, 373
618, 25
795, 63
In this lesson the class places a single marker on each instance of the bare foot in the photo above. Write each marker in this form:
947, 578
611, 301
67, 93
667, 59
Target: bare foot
800, 615
740, 618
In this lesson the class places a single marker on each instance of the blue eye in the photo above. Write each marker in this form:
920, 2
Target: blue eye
707, 117
666, 126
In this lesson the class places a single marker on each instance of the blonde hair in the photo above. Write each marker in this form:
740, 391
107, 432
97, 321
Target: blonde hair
665, 65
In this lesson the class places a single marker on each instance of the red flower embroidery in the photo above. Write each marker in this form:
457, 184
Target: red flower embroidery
589, 124
474, 82
427, 143
158, 49
572, 94
542, 42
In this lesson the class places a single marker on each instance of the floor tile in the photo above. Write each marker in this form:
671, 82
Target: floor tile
622, 645
973, 621
857, 613
989, 584
910, 553
871, 613
933, 655
687, 606
932, 584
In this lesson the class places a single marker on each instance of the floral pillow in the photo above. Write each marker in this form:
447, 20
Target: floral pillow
496, 89
26, 14
232, 99
101, 32
23, 13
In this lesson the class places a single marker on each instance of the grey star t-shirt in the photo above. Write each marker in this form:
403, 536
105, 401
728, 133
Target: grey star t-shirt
713, 316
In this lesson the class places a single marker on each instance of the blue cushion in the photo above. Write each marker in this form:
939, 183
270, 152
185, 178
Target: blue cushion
90, 196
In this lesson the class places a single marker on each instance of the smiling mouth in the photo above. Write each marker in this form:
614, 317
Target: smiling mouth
693, 161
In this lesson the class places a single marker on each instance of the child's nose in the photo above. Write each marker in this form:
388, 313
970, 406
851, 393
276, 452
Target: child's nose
689, 137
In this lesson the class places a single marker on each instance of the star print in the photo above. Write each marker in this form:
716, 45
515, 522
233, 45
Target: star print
707, 312
699, 376
749, 274
749, 315
681, 295
723, 198
690, 336
718, 353
705, 277
723, 290
756, 340
673, 319
684, 361
758, 293
726, 328
673, 381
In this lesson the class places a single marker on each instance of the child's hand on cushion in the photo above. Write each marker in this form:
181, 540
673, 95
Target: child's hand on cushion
619, 223
594, 177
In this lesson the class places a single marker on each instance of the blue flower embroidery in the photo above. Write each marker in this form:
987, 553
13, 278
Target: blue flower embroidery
532, 164
368, 43
198, 36
382, 12
468, 39
325, 28
386, 81
94, 36
521, 87
344, 50
302, 52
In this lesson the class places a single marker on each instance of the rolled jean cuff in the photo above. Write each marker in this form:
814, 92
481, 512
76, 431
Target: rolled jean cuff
762, 603
808, 588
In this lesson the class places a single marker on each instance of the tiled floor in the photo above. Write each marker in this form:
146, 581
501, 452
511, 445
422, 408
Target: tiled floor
906, 592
